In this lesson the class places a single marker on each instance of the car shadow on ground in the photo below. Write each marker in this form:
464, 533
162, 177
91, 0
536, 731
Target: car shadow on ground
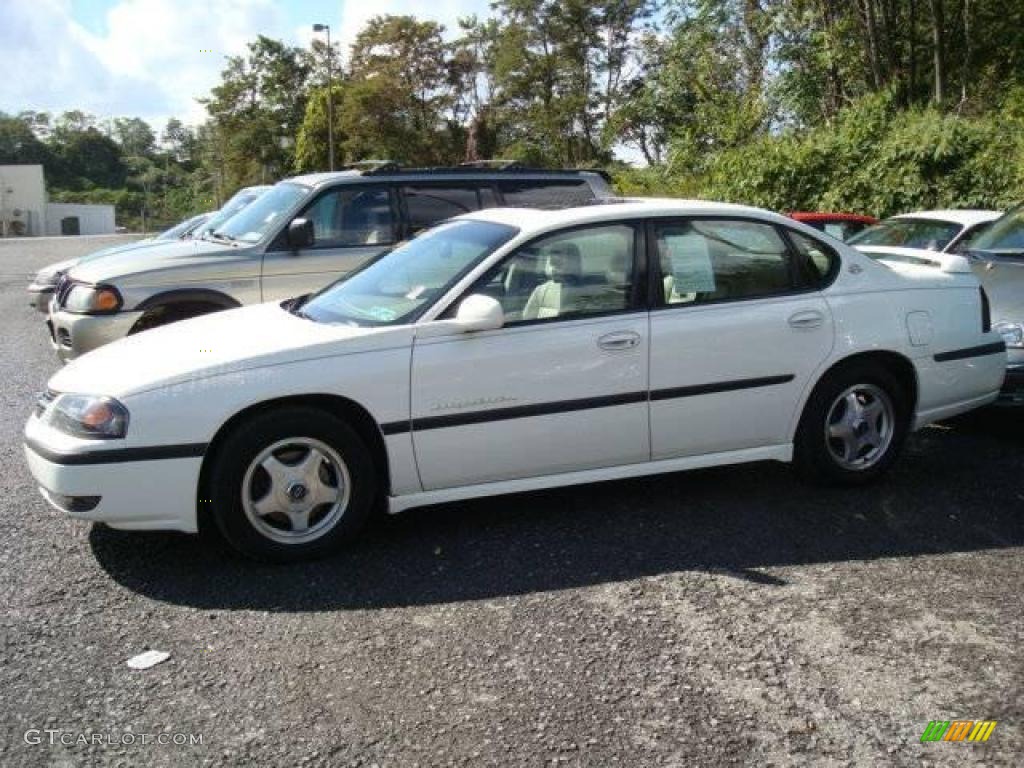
957, 489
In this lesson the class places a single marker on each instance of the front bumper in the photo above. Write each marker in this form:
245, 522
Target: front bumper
39, 297
138, 495
72, 335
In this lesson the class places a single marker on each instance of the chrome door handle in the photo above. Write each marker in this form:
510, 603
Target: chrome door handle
809, 319
618, 340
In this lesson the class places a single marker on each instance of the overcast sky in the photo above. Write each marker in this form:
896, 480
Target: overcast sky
152, 58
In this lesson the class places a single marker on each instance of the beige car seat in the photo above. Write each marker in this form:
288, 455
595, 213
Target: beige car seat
556, 296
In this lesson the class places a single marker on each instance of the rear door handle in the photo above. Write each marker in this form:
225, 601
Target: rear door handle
811, 318
619, 340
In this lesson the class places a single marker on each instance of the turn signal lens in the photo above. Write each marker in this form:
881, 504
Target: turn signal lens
105, 300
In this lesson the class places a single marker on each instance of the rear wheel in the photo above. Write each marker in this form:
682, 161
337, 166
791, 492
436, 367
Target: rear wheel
853, 426
291, 484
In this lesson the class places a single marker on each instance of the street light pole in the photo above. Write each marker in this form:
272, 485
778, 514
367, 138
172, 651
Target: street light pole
330, 95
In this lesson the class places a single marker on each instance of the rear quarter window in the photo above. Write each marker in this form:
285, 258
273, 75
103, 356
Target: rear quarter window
816, 263
545, 193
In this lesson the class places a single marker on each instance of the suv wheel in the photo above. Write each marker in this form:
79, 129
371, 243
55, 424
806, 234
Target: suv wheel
291, 484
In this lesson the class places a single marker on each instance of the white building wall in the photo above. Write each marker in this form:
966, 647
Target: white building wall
92, 219
22, 200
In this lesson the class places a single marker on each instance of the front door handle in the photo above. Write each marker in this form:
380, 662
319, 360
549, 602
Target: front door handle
619, 340
811, 318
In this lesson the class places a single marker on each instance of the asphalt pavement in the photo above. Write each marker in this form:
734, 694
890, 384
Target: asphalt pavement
723, 617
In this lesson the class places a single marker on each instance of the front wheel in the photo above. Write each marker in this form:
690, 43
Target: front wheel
291, 484
853, 426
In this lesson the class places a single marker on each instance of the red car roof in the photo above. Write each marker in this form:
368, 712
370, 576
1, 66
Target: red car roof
807, 216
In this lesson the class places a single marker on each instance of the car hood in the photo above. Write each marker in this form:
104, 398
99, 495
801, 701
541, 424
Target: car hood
224, 342
108, 267
64, 266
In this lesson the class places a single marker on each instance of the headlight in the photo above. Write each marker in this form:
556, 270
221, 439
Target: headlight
1012, 333
91, 416
93, 299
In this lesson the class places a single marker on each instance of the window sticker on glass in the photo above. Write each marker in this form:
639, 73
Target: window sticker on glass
691, 263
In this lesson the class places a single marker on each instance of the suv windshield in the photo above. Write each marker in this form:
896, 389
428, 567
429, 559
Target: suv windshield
930, 234
255, 221
1005, 237
397, 287
235, 203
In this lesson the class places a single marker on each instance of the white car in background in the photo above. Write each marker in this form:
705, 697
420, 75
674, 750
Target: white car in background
510, 350
948, 231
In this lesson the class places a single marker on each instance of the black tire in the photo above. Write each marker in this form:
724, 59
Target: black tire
166, 314
247, 442
814, 459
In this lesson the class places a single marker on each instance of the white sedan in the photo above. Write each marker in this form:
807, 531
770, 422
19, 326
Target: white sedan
949, 231
510, 350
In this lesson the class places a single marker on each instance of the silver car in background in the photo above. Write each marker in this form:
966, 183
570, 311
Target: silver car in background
300, 236
997, 258
45, 282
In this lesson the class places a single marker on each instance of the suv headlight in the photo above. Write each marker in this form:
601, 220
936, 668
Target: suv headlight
1012, 333
90, 416
93, 299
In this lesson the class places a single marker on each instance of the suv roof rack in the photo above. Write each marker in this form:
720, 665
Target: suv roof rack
384, 167
370, 167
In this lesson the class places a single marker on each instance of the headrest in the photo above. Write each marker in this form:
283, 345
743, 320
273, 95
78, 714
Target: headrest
564, 261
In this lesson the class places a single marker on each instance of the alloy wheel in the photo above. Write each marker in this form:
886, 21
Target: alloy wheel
295, 490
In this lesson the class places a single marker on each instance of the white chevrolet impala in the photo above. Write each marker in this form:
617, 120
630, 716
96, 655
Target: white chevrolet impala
510, 350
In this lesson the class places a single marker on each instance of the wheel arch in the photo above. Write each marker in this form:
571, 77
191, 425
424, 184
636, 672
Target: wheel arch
899, 365
180, 297
344, 408
189, 296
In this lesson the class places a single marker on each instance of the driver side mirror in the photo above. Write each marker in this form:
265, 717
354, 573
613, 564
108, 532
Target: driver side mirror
300, 233
479, 313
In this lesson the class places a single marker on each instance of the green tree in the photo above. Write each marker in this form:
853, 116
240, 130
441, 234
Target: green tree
135, 136
260, 101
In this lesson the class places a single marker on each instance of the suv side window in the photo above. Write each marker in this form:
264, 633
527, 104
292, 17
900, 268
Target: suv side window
430, 204
581, 272
544, 193
718, 260
352, 216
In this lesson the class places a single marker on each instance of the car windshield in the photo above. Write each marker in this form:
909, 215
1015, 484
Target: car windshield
1004, 237
235, 204
930, 234
179, 230
399, 286
254, 222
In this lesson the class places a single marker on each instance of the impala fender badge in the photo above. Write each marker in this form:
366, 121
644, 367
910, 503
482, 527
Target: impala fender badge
856, 269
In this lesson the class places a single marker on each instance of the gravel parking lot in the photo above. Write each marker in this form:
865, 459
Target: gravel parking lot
722, 617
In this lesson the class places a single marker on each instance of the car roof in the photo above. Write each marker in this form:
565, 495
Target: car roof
964, 217
615, 209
